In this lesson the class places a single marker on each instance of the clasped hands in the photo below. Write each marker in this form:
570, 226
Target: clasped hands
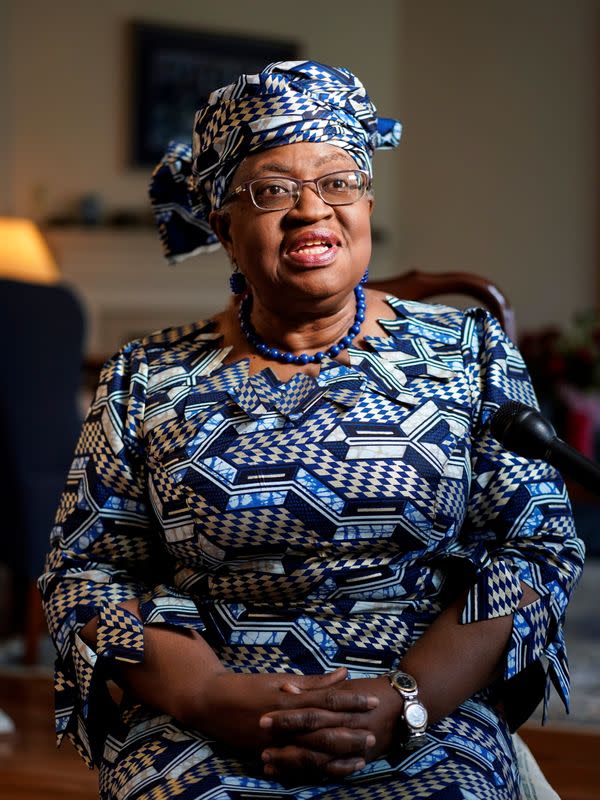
317, 725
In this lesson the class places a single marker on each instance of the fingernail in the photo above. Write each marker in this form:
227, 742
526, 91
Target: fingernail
370, 740
291, 688
266, 756
360, 764
265, 722
372, 701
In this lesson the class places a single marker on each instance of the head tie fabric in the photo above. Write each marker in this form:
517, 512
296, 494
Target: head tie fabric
288, 102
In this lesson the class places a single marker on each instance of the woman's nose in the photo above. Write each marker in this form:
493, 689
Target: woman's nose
310, 204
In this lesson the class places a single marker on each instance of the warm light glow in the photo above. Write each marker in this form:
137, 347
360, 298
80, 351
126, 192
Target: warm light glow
24, 254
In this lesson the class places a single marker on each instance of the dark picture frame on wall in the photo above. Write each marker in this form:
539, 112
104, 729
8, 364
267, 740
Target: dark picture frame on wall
175, 69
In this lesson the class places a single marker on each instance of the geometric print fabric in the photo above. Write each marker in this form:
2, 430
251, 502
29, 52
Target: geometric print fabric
312, 527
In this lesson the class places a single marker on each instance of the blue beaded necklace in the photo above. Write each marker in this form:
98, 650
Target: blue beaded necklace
290, 358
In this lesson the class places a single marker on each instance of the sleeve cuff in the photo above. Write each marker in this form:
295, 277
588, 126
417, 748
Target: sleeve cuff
497, 592
535, 634
528, 637
81, 692
120, 635
82, 697
165, 606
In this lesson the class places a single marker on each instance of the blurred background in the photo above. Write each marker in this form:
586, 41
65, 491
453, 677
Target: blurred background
497, 173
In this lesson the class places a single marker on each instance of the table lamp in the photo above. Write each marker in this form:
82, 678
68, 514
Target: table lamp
24, 253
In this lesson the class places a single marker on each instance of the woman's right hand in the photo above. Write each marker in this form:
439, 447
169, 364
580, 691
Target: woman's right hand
230, 706
182, 676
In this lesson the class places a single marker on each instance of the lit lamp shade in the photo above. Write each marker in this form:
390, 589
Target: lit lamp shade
24, 253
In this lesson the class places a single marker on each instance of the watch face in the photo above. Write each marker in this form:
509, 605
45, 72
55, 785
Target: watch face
415, 715
404, 681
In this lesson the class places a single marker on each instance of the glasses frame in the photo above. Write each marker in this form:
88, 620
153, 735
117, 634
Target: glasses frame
300, 184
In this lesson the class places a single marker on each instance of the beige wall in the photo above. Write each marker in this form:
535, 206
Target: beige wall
68, 124
500, 158
497, 171
70, 81
67, 87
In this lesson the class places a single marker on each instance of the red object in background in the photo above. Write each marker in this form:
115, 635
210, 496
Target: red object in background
582, 421
580, 432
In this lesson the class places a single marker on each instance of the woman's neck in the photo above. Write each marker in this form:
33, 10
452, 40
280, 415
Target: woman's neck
306, 332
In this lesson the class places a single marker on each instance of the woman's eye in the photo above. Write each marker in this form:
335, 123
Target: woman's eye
271, 189
337, 185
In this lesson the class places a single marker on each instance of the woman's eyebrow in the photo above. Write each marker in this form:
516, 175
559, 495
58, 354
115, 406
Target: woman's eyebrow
341, 156
275, 166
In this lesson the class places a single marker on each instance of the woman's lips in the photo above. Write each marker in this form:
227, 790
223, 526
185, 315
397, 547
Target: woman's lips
313, 250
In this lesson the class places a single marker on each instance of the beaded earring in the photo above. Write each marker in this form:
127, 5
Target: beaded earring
365, 277
237, 281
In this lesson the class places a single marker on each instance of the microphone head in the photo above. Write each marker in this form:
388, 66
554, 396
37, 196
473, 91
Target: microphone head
523, 430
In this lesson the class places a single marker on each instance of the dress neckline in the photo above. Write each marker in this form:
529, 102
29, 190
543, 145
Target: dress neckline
242, 365
386, 368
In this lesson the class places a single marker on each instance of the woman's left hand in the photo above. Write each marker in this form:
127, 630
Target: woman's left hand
330, 743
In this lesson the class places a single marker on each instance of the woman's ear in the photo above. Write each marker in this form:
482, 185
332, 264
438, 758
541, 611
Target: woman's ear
220, 222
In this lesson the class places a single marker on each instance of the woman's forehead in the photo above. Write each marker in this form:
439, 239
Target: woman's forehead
288, 158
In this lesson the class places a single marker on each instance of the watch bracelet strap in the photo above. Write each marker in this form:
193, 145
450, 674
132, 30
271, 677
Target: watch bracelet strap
413, 739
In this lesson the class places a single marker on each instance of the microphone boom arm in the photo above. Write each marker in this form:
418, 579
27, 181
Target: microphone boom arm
524, 431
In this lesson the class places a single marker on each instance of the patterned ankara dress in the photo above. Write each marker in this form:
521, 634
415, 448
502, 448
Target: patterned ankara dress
304, 525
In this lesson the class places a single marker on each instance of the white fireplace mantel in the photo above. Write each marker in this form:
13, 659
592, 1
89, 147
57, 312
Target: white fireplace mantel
129, 289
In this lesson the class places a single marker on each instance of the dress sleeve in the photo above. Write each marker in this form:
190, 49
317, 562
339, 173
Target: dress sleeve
103, 551
519, 529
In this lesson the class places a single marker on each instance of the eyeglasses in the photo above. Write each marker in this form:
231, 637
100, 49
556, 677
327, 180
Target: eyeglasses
278, 193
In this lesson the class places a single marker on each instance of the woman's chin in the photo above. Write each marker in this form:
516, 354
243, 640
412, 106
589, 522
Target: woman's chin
319, 282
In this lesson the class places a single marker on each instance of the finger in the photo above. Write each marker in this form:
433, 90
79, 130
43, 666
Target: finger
297, 683
334, 769
341, 767
308, 718
290, 688
338, 742
292, 759
336, 699
304, 720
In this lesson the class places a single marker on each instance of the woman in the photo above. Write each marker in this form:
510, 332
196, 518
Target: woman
288, 534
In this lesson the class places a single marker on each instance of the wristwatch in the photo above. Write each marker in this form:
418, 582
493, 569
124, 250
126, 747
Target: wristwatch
414, 712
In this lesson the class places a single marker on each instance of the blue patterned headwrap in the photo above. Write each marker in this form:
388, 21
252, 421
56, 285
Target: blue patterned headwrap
288, 102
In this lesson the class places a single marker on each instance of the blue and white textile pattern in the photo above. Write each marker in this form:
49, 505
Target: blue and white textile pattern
288, 102
304, 525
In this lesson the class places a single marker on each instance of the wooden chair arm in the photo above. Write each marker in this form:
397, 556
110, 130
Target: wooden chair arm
418, 285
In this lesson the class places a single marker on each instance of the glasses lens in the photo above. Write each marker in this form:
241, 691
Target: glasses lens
273, 193
342, 188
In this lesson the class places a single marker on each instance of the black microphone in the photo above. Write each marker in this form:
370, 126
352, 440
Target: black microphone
524, 431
